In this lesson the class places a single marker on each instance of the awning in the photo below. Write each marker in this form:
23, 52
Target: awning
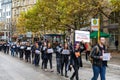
102, 34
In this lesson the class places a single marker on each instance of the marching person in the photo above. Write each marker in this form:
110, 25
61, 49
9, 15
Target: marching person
98, 65
7, 47
0, 46
82, 49
44, 56
28, 52
75, 61
88, 49
49, 55
17, 49
64, 59
37, 54
33, 53
22, 48
58, 57
13, 46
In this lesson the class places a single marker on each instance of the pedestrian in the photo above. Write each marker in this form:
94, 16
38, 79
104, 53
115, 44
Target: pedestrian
88, 49
13, 46
44, 56
28, 52
75, 61
7, 47
33, 53
49, 55
82, 49
17, 49
22, 50
37, 54
65, 59
0, 46
98, 65
58, 57
116, 44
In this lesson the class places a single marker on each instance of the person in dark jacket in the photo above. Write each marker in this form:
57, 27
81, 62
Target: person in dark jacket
49, 55
98, 64
17, 49
75, 61
28, 52
82, 49
22, 50
7, 47
58, 57
65, 54
0, 46
13, 46
44, 56
116, 44
37, 54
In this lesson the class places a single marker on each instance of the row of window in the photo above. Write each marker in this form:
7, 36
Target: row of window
17, 11
4, 14
23, 2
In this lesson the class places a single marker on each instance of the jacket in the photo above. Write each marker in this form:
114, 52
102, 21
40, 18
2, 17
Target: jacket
95, 55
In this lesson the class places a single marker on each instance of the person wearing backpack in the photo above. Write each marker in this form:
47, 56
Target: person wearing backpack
98, 65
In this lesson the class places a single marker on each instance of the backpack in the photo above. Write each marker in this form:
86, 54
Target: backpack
90, 58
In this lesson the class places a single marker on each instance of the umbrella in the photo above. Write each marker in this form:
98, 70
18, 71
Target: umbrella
102, 34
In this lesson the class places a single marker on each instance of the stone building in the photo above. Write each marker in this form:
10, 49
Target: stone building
19, 6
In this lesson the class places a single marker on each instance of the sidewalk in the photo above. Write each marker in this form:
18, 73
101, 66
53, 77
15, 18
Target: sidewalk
114, 63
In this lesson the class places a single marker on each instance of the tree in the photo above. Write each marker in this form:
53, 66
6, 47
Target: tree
56, 15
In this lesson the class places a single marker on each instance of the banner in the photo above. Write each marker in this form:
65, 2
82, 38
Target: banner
82, 36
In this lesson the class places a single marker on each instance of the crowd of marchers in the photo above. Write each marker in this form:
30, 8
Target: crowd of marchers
68, 56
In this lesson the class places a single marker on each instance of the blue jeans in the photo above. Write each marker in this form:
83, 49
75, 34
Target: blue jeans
99, 70
58, 61
12, 52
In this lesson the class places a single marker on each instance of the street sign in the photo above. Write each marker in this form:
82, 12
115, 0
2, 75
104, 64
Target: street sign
94, 24
82, 36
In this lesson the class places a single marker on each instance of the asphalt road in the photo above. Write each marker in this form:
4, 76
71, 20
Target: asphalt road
12, 68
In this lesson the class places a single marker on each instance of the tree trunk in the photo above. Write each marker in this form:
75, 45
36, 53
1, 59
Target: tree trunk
119, 36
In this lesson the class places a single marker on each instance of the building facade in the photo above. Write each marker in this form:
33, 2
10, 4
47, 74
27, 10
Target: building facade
19, 6
5, 19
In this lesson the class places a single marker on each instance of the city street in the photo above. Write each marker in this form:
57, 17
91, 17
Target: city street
11, 68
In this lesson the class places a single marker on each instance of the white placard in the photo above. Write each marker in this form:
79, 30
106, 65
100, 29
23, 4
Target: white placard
37, 51
22, 47
28, 48
106, 56
59, 50
82, 36
13, 46
44, 48
65, 52
50, 50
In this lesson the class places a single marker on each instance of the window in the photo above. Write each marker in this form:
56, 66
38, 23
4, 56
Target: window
14, 12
